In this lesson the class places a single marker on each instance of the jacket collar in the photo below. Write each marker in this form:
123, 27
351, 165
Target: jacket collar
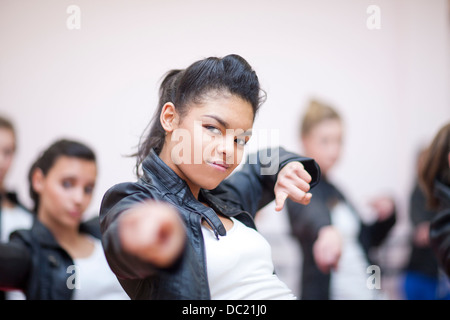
46, 238
43, 234
154, 167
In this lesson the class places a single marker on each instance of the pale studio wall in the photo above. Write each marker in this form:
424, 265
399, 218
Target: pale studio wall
99, 83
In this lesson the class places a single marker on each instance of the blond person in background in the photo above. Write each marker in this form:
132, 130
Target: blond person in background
333, 238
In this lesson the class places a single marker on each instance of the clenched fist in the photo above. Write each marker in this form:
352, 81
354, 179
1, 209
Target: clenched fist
293, 183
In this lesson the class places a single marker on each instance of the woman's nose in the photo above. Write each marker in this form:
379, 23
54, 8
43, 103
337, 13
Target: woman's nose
78, 195
226, 146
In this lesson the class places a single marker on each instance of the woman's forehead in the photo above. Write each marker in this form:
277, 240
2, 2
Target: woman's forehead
229, 110
65, 165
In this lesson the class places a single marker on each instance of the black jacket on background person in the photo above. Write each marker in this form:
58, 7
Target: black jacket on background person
306, 221
422, 258
440, 228
239, 196
12, 197
34, 262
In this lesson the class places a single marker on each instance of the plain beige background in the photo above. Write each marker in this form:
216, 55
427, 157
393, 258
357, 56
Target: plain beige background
99, 83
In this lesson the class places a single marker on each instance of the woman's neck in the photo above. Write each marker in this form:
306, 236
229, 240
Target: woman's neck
63, 234
76, 244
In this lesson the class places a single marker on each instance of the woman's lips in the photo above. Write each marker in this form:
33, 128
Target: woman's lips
75, 213
219, 165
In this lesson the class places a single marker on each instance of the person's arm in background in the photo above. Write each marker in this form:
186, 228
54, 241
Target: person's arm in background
440, 239
15, 265
313, 222
420, 218
373, 235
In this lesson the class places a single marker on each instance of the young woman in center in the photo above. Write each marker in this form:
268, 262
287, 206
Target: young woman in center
183, 231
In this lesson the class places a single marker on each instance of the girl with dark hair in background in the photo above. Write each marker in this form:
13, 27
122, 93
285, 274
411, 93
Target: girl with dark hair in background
184, 231
60, 257
13, 215
434, 178
423, 276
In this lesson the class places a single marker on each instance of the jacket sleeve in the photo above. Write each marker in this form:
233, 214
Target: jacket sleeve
252, 186
418, 211
373, 235
115, 202
306, 221
15, 264
440, 239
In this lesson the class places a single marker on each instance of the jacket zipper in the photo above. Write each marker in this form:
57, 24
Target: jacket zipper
202, 240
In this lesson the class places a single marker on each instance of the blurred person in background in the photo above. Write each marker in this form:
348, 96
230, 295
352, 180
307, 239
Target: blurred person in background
60, 257
335, 241
13, 215
435, 180
422, 276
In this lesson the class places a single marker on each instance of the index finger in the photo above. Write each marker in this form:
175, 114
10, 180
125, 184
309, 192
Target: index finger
280, 198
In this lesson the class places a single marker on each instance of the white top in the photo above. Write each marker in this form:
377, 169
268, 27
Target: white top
94, 278
14, 218
349, 281
239, 266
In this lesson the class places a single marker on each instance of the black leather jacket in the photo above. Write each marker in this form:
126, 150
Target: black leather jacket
34, 262
12, 197
239, 196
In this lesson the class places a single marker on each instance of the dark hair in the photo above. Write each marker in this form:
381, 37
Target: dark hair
435, 166
231, 74
48, 158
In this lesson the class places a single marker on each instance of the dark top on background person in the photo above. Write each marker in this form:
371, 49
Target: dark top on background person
435, 181
422, 258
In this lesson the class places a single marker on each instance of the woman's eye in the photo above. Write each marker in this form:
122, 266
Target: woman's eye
67, 184
89, 190
240, 142
213, 129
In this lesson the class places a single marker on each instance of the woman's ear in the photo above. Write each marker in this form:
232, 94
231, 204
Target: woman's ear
169, 117
37, 180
